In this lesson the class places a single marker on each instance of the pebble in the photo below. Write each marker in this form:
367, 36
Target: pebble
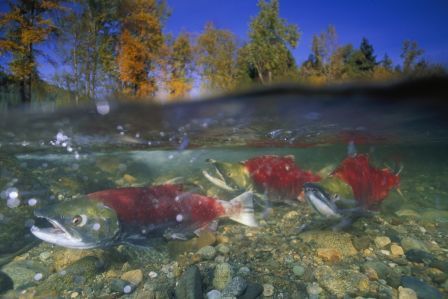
419, 256
74, 295
222, 249
253, 291
189, 285
406, 293
207, 252
152, 274
235, 288
371, 273
222, 276
244, 271
382, 241
385, 252
329, 254
268, 290
396, 250
119, 285
6, 283
44, 255
313, 290
409, 243
135, 276
214, 294
423, 290
298, 270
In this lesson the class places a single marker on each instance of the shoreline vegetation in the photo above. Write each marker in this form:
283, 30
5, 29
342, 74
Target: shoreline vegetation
119, 49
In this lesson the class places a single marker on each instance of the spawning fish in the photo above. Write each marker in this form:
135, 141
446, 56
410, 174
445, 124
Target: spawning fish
370, 185
114, 216
279, 178
325, 206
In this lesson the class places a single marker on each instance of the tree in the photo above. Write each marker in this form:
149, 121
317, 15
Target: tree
410, 53
323, 47
26, 25
270, 40
139, 43
387, 63
87, 45
369, 61
177, 66
216, 58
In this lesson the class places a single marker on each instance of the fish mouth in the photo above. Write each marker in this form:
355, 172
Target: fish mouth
218, 179
57, 234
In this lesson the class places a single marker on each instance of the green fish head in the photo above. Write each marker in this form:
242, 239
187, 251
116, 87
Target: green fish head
80, 223
229, 176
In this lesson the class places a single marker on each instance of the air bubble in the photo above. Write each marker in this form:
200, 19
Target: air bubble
179, 218
32, 202
38, 276
96, 226
127, 289
13, 193
13, 203
102, 107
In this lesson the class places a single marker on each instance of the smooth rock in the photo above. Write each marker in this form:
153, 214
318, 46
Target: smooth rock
329, 254
253, 291
423, 290
382, 241
190, 284
406, 293
6, 283
23, 273
214, 294
207, 252
329, 239
223, 249
235, 288
222, 276
342, 281
419, 256
298, 270
121, 286
409, 243
396, 250
268, 290
361, 243
135, 276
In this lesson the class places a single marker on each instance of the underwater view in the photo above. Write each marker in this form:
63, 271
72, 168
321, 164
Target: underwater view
278, 193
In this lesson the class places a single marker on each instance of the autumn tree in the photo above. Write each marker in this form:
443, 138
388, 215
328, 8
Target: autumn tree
177, 66
270, 41
26, 25
139, 43
216, 51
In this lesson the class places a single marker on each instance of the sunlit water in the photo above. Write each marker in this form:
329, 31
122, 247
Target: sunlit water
47, 157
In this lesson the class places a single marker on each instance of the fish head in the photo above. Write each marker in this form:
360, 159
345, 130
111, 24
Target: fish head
320, 201
80, 223
229, 176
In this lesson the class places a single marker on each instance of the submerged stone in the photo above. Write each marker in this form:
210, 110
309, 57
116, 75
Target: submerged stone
6, 283
423, 290
235, 288
190, 284
222, 276
253, 291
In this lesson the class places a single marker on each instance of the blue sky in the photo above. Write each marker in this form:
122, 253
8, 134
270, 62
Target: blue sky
386, 23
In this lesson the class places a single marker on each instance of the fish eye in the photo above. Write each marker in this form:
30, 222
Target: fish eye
79, 220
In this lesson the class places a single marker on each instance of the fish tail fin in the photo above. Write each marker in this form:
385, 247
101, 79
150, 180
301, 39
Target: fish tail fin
241, 209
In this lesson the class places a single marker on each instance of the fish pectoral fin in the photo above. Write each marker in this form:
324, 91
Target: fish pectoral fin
211, 227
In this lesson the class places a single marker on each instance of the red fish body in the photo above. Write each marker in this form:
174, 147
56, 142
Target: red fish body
370, 185
169, 206
279, 175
